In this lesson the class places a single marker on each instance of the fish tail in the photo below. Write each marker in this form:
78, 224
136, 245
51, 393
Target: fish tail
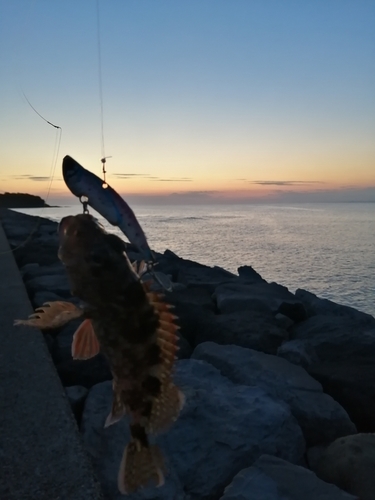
142, 464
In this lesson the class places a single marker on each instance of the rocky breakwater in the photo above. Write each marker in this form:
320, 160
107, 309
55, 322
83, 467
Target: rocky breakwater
267, 375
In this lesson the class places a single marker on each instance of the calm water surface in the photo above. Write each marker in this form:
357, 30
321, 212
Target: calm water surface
327, 249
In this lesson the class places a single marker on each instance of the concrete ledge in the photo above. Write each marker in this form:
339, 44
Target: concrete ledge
41, 453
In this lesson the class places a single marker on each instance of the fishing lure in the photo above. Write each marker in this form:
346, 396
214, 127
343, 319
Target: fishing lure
107, 202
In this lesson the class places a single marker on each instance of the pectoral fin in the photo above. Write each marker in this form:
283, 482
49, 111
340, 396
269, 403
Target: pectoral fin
85, 343
51, 315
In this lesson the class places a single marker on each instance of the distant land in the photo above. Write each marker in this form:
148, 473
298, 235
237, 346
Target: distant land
21, 200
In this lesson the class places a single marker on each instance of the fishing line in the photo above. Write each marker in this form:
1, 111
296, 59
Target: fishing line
55, 155
101, 100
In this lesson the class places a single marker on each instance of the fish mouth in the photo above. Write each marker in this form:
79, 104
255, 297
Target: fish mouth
64, 225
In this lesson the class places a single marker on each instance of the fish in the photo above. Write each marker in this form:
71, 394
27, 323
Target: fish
107, 202
136, 331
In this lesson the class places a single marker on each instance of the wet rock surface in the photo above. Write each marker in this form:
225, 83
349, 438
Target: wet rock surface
271, 478
264, 371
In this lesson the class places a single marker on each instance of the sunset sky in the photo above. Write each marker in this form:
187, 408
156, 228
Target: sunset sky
203, 100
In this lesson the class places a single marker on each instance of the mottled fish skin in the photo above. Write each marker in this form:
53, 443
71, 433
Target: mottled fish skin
136, 333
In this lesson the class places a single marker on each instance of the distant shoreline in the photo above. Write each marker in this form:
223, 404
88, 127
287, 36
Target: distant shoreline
22, 200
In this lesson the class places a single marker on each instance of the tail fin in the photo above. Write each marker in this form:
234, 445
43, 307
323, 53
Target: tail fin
140, 465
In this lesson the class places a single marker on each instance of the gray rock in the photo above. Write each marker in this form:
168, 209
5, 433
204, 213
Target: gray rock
283, 321
222, 429
40, 298
29, 268
298, 352
349, 463
244, 328
271, 478
319, 416
76, 395
316, 306
34, 272
250, 275
86, 373
56, 283
261, 297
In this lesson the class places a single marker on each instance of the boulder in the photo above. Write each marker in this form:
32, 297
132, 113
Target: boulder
271, 478
244, 328
76, 395
295, 311
248, 274
56, 283
86, 373
320, 417
260, 297
223, 428
338, 350
193, 274
40, 298
349, 463
316, 306
298, 352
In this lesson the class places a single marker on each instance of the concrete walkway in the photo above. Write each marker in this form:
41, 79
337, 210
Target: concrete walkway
41, 454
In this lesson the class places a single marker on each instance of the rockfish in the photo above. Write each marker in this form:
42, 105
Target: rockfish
132, 327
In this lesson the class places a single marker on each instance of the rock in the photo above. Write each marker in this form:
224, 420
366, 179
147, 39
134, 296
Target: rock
63, 342
56, 283
349, 463
271, 478
244, 328
250, 275
193, 274
222, 429
316, 306
76, 395
35, 272
319, 416
298, 352
86, 373
283, 321
295, 311
260, 297
338, 350
40, 298
184, 348
29, 268
351, 383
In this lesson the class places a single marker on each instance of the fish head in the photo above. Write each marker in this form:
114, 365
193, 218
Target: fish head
79, 236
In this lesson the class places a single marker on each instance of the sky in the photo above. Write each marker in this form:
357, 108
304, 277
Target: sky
202, 100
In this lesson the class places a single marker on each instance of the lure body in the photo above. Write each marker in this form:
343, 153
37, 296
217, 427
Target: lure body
107, 202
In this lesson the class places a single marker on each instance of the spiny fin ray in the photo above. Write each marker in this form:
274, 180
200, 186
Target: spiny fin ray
51, 315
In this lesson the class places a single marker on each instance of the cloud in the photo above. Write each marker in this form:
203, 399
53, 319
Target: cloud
343, 195
36, 178
285, 183
151, 177
127, 176
176, 179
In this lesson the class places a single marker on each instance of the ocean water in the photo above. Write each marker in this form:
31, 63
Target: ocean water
328, 249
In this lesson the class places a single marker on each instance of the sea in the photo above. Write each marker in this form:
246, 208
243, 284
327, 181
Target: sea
327, 249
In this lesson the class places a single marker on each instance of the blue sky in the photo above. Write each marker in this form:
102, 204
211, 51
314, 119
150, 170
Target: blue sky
231, 101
